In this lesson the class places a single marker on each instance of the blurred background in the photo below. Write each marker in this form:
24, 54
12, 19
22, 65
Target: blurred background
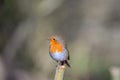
91, 29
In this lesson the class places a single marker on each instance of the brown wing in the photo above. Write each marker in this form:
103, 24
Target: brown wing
68, 56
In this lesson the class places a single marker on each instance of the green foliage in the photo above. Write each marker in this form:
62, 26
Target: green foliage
10, 12
24, 61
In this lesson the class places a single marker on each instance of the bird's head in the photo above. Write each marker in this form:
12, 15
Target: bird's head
56, 40
53, 40
56, 44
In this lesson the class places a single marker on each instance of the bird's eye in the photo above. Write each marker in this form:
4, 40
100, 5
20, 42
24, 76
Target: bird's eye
53, 38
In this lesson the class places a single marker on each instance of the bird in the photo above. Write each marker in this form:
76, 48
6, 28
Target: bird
58, 50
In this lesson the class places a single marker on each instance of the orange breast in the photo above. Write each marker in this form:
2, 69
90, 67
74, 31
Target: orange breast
55, 47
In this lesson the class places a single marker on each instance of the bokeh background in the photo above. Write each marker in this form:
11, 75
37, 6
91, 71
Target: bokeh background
91, 29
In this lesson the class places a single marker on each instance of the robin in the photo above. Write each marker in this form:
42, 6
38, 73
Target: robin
58, 51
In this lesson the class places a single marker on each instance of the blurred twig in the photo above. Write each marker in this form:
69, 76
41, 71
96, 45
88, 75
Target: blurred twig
59, 72
115, 73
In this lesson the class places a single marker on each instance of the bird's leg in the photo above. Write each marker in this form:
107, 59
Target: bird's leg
58, 63
62, 63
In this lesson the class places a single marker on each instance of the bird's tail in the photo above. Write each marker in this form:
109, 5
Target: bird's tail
67, 63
